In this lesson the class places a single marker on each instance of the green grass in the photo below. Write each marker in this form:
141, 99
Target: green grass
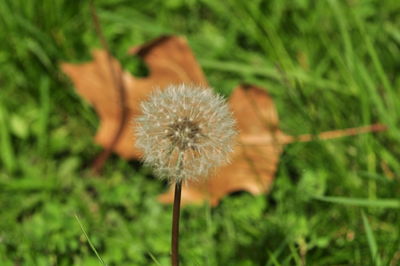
90, 242
328, 64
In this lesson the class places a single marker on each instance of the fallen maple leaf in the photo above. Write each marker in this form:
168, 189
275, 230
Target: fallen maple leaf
170, 61
253, 167
116, 97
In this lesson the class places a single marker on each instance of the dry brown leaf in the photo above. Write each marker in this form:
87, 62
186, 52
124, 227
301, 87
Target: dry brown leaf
170, 61
253, 167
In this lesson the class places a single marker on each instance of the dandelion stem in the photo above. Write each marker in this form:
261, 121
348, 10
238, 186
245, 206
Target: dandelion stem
175, 224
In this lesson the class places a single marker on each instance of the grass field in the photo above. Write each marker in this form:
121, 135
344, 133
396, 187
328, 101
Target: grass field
328, 64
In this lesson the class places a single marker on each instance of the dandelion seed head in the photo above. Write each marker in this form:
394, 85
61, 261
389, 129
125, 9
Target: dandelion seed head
185, 132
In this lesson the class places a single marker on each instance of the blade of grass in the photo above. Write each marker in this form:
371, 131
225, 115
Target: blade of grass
374, 176
211, 258
295, 256
154, 258
44, 114
371, 241
343, 27
378, 203
268, 72
272, 259
372, 52
6, 148
277, 252
90, 242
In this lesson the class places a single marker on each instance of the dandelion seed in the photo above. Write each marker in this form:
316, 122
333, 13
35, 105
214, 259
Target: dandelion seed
193, 133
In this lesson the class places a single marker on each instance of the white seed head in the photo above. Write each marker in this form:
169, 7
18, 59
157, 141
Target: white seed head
190, 135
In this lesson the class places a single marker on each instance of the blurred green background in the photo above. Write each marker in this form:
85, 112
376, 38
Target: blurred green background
328, 64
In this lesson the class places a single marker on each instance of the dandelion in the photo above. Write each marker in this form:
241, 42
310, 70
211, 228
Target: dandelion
184, 133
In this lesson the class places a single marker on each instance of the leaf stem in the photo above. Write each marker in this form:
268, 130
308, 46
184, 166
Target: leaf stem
175, 224
270, 139
117, 77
